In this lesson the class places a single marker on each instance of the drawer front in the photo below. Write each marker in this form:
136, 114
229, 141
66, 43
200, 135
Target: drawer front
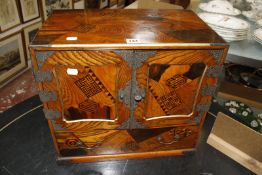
110, 142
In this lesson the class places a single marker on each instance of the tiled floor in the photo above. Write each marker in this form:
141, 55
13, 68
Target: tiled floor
20, 89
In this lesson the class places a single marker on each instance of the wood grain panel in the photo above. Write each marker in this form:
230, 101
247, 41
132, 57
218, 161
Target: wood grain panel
115, 26
92, 94
108, 142
166, 84
174, 81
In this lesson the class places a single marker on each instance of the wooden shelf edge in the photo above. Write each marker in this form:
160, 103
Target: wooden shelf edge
79, 159
235, 154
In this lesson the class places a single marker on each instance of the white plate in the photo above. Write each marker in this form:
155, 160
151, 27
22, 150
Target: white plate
231, 35
224, 21
228, 31
259, 22
258, 33
251, 15
260, 42
233, 39
219, 6
257, 39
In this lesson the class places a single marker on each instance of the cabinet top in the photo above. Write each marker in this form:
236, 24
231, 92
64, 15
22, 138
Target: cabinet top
125, 28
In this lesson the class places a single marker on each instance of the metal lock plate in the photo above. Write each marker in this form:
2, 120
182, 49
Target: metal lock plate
132, 94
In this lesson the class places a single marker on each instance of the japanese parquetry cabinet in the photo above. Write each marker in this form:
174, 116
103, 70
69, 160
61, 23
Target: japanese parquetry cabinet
120, 84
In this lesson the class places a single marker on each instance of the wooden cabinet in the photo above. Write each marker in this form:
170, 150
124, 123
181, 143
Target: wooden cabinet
120, 84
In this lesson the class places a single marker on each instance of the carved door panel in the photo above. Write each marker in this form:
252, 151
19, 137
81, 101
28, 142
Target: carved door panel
86, 85
178, 85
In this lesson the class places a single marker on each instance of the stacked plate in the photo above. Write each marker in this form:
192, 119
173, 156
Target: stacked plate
259, 23
219, 6
228, 27
250, 15
258, 35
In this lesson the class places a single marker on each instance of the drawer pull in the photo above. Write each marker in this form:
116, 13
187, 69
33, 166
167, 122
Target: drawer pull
121, 95
98, 143
178, 135
80, 144
138, 98
175, 139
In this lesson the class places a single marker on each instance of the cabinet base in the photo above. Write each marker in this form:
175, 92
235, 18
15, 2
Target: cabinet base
80, 159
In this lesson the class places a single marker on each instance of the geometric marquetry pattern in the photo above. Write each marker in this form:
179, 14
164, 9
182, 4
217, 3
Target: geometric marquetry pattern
90, 85
169, 102
89, 106
176, 81
130, 146
84, 27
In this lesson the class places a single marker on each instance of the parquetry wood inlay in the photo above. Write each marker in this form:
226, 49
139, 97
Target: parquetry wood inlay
126, 100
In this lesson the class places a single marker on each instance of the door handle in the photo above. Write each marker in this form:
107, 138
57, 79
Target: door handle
175, 139
138, 98
121, 95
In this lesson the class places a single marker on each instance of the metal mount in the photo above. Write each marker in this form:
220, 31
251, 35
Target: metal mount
51, 114
46, 96
214, 71
43, 76
132, 94
203, 107
217, 53
209, 90
41, 57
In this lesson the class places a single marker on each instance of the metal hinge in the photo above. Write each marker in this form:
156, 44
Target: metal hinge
41, 57
46, 96
216, 54
43, 76
214, 71
51, 114
203, 107
209, 90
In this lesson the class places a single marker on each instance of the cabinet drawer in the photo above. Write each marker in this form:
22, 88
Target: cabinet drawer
110, 142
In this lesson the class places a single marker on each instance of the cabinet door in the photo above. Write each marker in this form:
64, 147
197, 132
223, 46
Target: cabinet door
179, 85
85, 85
